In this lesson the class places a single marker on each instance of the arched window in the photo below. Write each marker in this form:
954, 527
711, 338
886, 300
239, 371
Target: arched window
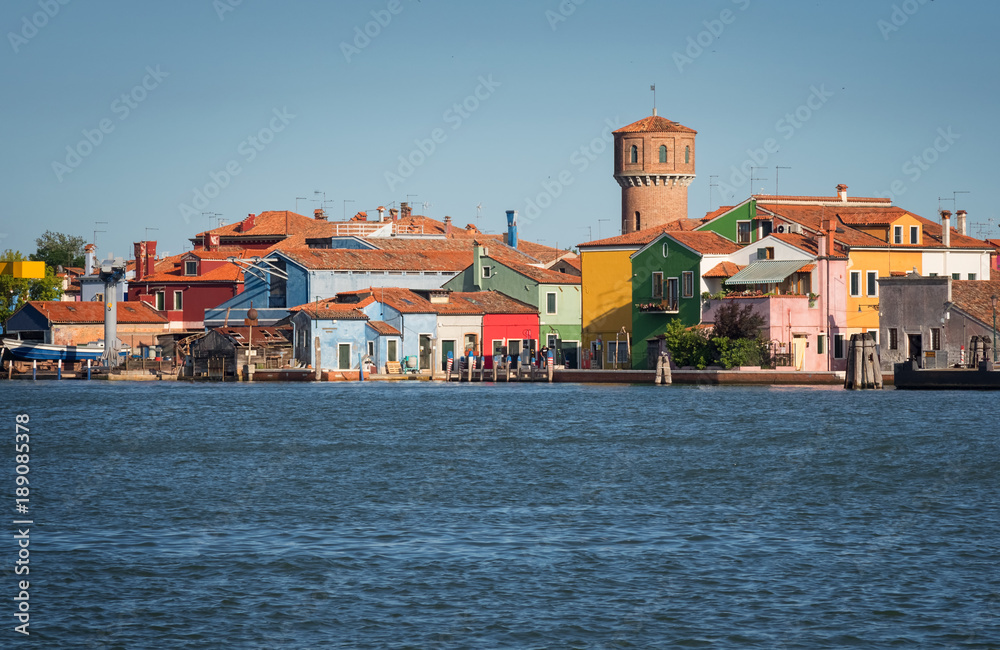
634, 154
663, 153
687, 155
638, 223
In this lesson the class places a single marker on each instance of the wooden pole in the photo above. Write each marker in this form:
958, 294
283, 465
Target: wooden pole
319, 372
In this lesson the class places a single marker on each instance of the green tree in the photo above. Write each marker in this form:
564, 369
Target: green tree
14, 292
56, 248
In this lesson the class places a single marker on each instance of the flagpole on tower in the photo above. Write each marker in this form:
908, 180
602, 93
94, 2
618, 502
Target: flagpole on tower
653, 88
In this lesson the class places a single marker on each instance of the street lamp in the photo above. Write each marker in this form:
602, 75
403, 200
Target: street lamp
993, 299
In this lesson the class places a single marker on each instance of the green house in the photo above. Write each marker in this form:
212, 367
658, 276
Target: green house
739, 223
557, 296
667, 283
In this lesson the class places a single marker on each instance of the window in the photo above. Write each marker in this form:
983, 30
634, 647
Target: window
838, 346
742, 232
638, 222
371, 348
550, 303
665, 249
617, 352
935, 338
191, 268
688, 278
871, 287
671, 294
663, 153
873, 335
159, 301
972, 276
956, 276
98, 297
178, 300
634, 154
487, 271
278, 285
821, 344
392, 349
551, 341
765, 228
897, 234
765, 253
914, 234
855, 283
893, 338
687, 155
657, 284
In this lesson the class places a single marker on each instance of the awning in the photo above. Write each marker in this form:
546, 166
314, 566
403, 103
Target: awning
766, 272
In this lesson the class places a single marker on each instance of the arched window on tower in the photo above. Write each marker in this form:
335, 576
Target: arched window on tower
663, 153
634, 154
638, 223
687, 155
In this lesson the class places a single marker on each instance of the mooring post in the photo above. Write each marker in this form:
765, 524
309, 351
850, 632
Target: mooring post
509, 367
34, 370
59, 369
550, 365
496, 362
448, 364
88, 369
319, 375
471, 365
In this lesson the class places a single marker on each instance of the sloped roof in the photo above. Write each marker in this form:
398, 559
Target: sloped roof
493, 302
260, 336
638, 239
654, 123
541, 276
723, 270
379, 260
57, 311
383, 328
330, 309
171, 269
974, 298
706, 242
824, 200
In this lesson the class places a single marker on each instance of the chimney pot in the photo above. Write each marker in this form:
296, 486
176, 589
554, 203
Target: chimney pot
842, 192
960, 226
946, 228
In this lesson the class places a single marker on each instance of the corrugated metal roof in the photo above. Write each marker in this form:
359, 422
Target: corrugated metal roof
766, 272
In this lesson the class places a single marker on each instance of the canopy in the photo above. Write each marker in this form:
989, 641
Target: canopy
767, 272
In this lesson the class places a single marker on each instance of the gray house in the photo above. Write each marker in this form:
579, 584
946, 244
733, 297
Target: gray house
933, 319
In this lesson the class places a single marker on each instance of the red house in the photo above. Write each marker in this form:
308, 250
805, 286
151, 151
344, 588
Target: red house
183, 286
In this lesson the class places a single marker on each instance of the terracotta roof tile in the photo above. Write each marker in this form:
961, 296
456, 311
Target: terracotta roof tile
379, 260
542, 276
93, 312
330, 309
706, 242
637, 239
383, 328
723, 270
654, 123
974, 297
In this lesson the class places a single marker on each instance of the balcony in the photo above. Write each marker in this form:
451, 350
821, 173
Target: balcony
658, 306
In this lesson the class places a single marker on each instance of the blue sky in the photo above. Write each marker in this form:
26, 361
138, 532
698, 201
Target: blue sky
147, 114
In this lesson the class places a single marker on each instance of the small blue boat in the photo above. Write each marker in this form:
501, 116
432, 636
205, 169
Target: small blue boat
37, 351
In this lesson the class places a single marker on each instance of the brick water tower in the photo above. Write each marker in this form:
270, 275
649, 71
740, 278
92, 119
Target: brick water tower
654, 164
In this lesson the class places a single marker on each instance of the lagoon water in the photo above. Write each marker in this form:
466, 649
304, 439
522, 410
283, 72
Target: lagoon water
415, 515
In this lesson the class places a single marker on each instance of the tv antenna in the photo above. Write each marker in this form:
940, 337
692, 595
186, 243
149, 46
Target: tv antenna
776, 193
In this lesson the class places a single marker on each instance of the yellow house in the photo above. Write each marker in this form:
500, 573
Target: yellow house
607, 291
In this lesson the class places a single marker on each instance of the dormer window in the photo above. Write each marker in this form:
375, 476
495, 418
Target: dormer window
634, 154
914, 234
663, 153
897, 234
191, 268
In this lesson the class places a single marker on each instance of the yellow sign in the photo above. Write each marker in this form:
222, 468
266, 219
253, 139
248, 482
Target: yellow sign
31, 270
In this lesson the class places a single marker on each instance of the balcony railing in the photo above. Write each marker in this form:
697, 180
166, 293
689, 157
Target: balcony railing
661, 306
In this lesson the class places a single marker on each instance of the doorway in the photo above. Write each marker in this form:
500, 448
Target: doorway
915, 347
425, 351
446, 347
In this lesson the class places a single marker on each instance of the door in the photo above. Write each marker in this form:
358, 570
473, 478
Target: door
570, 352
652, 353
799, 350
446, 347
513, 350
425, 351
344, 354
916, 348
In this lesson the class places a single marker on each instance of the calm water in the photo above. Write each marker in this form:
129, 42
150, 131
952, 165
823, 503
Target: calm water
544, 516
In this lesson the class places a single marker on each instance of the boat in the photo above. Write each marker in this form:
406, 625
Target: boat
38, 351
908, 375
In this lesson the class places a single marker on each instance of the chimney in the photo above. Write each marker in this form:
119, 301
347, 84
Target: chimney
842, 192
393, 214
404, 210
150, 257
89, 258
319, 215
512, 228
140, 259
960, 226
478, 253
381, 213
447, 226
248, 223
829, 228
946, 228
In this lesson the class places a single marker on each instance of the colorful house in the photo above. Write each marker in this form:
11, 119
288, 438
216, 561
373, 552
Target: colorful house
78, 323
554, 295
667, 285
